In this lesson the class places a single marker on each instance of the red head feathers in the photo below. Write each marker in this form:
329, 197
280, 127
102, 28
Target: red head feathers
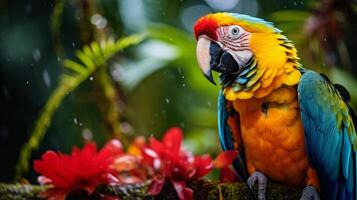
206, 25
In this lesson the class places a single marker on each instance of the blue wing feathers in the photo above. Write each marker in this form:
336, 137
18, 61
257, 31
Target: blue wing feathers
223, 129
226, 139
329, 136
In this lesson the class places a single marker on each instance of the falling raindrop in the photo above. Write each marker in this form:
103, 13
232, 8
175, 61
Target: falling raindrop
95, 19
183, 84
73, 44
36, 54
87, 134
91, 78
58, 59
80, 124
125, 127
75, 120
102, 24
99, 21
27, 82
295, 4
46, 78
167, 100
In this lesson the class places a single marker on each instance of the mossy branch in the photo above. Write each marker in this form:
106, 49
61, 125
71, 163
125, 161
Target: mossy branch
203, 190
91, 58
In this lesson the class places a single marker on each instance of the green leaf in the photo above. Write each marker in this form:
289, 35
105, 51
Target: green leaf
90, 59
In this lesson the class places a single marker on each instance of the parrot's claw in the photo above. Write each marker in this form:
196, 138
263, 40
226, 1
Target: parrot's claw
310, 193
262, 183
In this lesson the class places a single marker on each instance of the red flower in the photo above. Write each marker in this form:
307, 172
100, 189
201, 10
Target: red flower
170, 162
223, 162
83, 169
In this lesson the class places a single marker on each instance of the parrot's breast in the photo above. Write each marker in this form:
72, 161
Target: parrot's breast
273, 137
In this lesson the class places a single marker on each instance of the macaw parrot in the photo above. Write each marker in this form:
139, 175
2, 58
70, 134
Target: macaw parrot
290, 125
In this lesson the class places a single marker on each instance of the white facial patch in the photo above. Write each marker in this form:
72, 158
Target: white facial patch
235, 40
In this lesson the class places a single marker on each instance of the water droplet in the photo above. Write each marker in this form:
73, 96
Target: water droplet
73, 44
99, 21
80, 124
75, 120
91, 78
27, 82
58, 59
95, 19
46, 78
36, 54
167, 100
179, 70
295, 4
125, 127
87, 134
183, 84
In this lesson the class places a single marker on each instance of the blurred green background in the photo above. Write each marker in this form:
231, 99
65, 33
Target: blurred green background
148, 87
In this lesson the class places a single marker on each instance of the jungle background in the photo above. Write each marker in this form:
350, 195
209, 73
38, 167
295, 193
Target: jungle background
49, 99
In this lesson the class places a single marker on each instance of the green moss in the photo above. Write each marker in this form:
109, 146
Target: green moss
203, 190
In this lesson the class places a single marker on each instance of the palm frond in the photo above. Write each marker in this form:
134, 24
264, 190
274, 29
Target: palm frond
91, 57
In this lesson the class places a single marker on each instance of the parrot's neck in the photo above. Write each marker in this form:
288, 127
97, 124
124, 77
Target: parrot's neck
269, 68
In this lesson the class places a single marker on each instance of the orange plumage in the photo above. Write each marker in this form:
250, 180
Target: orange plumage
274, 141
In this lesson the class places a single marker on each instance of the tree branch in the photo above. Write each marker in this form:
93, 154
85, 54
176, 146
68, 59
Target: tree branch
203, 190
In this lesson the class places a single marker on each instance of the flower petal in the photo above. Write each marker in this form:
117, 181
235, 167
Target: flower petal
155, 186
204, 165
172, 140
110, 150
224, 159
183, 192
228, 175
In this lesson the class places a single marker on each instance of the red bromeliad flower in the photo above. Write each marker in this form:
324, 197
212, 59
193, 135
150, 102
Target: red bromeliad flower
169, 162
158, 161
83, 169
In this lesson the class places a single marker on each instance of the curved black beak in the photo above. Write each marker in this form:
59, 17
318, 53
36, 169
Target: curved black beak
211, 56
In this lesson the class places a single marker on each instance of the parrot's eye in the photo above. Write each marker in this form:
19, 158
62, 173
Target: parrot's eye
235, 31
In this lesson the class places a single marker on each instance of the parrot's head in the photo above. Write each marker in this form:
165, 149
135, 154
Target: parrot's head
251, 55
